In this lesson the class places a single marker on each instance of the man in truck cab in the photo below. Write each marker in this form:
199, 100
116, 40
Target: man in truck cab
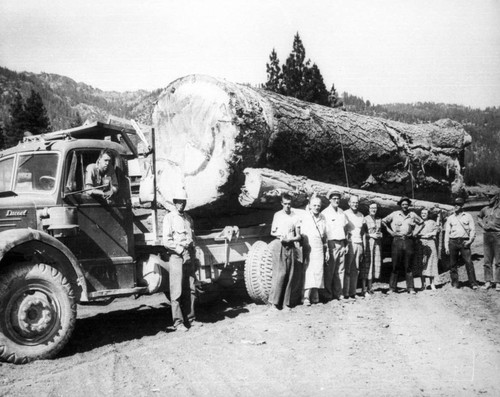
100, 178
178, 238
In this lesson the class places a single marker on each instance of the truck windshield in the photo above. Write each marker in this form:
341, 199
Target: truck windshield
36, 172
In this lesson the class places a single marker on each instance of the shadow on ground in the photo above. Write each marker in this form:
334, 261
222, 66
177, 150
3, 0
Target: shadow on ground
144, 320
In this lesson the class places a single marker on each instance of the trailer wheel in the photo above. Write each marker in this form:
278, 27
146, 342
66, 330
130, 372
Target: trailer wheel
37, 312
259, 272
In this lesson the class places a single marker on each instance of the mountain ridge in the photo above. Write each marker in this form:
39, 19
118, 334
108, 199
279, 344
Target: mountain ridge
64, 98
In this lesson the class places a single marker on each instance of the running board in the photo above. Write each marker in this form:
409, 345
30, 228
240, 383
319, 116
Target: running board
117, 292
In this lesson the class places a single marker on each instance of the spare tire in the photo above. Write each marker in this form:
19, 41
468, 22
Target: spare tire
259, 272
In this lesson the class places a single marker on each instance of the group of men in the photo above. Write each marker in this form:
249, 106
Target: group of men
336, 245
345, 246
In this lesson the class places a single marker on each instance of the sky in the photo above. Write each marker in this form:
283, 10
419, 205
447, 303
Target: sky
385, 51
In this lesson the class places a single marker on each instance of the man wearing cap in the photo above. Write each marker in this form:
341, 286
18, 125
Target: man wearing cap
178, 238
401, 225
336, 223
489, 220
286, 274
459, 233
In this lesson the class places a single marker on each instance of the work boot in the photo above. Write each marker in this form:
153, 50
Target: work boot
487, 285
393, 282
471, 275
409, 283
370, 289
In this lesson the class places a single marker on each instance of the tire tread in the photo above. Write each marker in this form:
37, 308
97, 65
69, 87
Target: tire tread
258, 272
21, 272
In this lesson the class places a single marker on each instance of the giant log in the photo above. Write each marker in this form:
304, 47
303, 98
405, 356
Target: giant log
263, 189
209, 130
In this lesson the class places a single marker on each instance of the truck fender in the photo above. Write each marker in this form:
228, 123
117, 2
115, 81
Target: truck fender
15, 237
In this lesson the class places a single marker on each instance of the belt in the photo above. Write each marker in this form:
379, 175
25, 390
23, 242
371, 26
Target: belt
459, 238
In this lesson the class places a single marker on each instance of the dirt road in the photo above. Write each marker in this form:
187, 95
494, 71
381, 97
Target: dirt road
440, 343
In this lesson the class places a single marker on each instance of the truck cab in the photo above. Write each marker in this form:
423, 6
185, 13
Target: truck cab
60, 245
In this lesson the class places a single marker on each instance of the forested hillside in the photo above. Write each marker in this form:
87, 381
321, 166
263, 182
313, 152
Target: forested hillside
65, 99
482, 158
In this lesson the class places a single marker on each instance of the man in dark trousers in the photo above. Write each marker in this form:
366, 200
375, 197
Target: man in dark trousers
401, 226
178, 238
459, 233
286, 271
489, 220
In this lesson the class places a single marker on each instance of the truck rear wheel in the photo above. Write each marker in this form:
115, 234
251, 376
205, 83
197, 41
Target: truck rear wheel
259, 272
37, 312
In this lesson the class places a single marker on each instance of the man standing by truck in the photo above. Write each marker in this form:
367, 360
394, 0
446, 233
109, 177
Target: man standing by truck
286, 269
178, 238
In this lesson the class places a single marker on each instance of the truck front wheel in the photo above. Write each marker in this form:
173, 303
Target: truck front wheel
37, 312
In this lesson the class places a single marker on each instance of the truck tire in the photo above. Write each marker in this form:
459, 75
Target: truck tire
37, 312
259, 272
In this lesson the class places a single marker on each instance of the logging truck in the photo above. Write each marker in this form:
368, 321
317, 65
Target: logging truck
60, 246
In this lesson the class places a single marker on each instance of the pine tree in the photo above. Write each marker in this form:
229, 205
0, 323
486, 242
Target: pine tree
299, 79
274, 81
333, 98
17, 122
293, 69
313, 88
37, 120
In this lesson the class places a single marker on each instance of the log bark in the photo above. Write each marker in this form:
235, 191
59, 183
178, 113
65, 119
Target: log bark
263, 189
210, 130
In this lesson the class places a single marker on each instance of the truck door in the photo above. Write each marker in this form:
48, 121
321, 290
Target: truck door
104, 243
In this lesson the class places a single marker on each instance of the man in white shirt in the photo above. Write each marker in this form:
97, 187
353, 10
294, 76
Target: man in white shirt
336, 222
355, 230
286, 271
